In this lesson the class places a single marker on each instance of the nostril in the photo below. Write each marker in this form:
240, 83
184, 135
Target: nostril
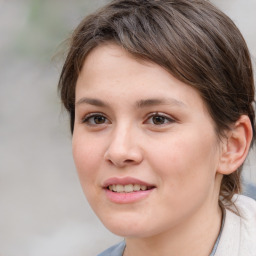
110, 161
122, 157
121, 163
128, 161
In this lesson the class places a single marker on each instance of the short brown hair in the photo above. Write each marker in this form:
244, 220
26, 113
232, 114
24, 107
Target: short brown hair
191, 39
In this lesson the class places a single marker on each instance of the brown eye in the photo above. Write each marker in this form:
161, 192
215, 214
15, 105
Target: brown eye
158, 120
95, 119
99, 119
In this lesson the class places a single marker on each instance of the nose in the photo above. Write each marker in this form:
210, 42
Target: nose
123, 149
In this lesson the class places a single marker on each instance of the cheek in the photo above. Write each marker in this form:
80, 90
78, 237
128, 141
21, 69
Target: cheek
86, 158
186, 160
87, 161
186, 172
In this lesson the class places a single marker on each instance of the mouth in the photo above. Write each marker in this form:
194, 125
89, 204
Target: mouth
129, 188
126, 190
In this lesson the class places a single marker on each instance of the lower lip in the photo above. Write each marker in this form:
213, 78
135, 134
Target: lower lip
126, 198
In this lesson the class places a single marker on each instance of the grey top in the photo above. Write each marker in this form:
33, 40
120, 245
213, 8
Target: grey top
118, 249
115, 250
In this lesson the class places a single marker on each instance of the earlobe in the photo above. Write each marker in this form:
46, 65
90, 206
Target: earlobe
236, 146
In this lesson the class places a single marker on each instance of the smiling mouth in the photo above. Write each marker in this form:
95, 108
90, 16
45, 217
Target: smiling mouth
129, 188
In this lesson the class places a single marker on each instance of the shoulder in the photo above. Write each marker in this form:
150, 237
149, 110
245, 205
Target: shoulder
246, 206
247, 209
115, 250
239, 232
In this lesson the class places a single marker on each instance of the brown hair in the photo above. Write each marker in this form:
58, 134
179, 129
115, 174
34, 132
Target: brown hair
191, 39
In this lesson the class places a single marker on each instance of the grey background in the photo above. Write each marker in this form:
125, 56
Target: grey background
43, 211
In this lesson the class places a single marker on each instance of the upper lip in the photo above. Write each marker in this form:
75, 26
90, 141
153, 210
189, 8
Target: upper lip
125, 181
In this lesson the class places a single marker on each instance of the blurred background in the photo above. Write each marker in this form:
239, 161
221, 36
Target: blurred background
43, 211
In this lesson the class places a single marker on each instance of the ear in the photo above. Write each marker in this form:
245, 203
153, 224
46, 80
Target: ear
236, 146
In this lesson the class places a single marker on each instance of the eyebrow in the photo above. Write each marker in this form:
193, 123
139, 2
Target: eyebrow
159, 101
139, 104
91, 101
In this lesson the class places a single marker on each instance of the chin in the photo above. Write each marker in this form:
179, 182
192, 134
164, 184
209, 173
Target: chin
127, 232
124, 226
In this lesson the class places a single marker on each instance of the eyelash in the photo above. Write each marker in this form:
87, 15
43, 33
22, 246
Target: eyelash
165, 118
90, 116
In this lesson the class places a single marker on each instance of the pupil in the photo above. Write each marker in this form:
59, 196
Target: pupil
158, 120
99, 120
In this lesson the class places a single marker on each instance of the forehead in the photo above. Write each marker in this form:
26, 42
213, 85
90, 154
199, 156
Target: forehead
111, 71
111, 63
109, 55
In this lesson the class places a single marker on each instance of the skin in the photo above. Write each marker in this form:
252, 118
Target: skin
179, 155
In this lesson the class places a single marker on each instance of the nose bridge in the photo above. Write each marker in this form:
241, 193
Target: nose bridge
122, 138
123, 147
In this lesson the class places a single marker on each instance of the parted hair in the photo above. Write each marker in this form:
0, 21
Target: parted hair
191, 39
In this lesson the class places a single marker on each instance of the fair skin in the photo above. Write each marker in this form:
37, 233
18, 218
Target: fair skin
136, 124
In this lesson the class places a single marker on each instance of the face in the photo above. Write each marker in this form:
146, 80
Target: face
144, 145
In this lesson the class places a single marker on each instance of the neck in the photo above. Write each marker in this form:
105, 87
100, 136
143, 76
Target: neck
195, 237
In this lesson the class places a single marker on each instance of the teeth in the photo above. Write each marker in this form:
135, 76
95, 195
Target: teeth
127, 188
112, 187
119, 188
136, 187
143, 188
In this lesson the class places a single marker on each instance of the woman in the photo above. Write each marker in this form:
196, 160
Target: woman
160, 96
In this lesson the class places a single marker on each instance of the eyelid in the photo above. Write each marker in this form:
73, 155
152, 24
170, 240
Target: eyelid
169, 118
86, 118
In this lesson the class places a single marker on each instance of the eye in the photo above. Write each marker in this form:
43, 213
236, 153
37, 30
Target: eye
95, 119
159, 119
